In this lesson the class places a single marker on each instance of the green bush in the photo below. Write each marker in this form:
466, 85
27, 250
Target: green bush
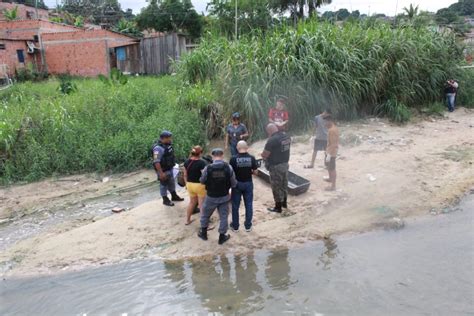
394, 110
466, 88
350, 68
97, 128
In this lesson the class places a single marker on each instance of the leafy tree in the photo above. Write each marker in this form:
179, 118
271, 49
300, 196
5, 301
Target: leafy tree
95, 11
251, 15
11, 15
127, 27
171, 16
297, 7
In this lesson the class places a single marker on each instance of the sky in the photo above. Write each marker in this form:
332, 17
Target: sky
388, 7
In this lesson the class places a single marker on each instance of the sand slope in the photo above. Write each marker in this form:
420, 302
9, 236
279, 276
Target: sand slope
418, 167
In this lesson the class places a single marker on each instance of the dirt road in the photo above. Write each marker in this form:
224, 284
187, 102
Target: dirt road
385, 173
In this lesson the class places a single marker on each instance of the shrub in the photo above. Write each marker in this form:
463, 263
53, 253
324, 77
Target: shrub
350, 68
97, 128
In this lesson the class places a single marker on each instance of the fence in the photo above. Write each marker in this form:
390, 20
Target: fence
157, 53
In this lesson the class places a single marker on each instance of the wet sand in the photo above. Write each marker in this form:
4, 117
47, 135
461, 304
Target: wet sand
386, 173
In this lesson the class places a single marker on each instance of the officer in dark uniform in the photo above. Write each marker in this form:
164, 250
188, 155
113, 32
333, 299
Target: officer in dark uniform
219, 178
164, 161
277, 155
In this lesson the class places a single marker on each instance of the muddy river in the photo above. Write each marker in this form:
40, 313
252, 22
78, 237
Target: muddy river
426, 268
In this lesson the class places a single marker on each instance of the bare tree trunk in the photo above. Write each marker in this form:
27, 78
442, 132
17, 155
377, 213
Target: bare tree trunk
311, 8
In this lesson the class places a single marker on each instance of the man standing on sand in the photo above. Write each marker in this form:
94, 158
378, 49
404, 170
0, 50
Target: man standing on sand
320, 136
235, 132
277, 155
278, 115
451, 91
244, 165
331, 151
219, 178
163, 162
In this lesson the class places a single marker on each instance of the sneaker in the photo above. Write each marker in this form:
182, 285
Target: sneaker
233, 229
248, 230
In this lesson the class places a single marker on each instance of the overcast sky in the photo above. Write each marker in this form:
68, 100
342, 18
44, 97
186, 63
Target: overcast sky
388, 7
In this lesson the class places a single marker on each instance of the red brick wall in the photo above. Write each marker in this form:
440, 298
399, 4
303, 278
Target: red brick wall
9, 56
26, 29
68, 49
83, 53
23, 11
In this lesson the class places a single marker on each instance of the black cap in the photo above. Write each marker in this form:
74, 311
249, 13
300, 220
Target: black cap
165, 134
217, 152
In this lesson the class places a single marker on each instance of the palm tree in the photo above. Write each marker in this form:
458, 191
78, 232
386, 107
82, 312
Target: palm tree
297, 7
411, 11
314, 4
11, 15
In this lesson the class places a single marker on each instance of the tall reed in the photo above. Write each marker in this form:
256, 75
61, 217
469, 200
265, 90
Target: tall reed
355, 68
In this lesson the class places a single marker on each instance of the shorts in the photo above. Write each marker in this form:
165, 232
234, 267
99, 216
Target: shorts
196, 189
331, 165
320, 145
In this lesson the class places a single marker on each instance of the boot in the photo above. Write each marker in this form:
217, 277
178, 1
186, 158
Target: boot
284, 204
203, 233
223, 238
167, 202
277, 208
175, 197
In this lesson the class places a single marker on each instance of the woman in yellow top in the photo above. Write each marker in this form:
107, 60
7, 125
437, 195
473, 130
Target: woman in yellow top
192, 172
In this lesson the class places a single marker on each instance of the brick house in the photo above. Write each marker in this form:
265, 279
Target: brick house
58, 48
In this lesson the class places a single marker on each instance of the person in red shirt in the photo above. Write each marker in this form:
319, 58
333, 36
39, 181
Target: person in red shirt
278, 115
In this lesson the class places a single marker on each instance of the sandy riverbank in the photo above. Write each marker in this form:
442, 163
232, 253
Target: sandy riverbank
419, 167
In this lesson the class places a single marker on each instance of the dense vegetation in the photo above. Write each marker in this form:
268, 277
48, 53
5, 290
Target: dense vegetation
358, 68
88, 125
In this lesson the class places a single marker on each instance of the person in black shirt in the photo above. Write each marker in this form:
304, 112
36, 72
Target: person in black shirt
192, 173
244, 165
277, 155
450, 91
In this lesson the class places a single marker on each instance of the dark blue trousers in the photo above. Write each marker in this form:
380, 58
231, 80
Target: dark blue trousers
245, 190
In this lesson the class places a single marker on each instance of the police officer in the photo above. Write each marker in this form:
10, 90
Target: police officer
277, 155
164, 161
244, 165
219, 178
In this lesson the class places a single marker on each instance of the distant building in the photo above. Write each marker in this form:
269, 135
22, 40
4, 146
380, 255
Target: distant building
58, 48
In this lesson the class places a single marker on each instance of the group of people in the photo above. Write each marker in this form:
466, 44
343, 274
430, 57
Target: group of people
209, 180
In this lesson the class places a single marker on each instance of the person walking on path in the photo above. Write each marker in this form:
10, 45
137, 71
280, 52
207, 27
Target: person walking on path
277, 155
451, 91
235, 132
219, 178
244, 165
278, 115
320, 136
192, 173
163, 162
331, 151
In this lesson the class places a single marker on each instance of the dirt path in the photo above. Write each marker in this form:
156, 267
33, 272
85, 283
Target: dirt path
385, 173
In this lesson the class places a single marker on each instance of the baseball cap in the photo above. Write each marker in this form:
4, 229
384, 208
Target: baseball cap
217, 152
165, 134
236, 115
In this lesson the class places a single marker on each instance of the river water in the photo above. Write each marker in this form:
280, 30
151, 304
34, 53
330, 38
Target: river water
426, 268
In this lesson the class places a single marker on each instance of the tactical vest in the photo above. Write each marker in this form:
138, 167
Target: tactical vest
168, 160
218, 180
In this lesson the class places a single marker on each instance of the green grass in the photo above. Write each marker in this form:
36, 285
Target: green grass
355, 69
96, 128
